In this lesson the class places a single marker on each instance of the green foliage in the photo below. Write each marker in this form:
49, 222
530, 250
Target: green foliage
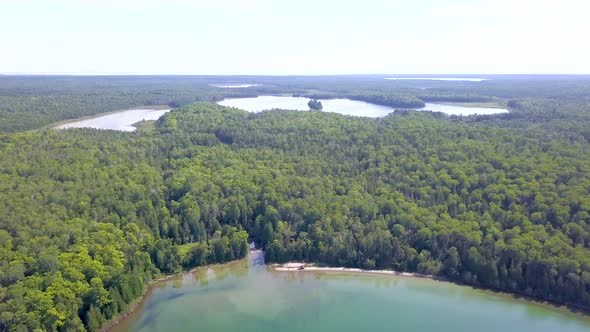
315, 105
29, 102
413, 191
90, 217
85, 226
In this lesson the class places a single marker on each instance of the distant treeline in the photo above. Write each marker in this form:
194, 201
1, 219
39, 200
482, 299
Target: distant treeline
30, 102
391, 99
33, 102
89, 217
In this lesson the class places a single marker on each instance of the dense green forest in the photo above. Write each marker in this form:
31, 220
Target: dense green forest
31, 102
89, 217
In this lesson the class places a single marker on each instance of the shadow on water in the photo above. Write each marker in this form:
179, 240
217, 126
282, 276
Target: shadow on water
165, 298
149, 321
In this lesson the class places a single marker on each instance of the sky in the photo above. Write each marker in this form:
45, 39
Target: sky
297, 37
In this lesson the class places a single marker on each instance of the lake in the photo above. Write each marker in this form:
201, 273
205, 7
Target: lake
121, 121
344, 106
234, 86
248, 296
124, 120
452, 79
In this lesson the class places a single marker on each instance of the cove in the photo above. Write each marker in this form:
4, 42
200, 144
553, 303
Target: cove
345, 106
121, 121
249, 296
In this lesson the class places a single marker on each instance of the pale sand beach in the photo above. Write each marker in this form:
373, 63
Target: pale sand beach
303, 267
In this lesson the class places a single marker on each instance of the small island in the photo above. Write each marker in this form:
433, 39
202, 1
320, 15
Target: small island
315, 105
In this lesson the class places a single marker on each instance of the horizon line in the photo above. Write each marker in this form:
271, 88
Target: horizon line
417, 75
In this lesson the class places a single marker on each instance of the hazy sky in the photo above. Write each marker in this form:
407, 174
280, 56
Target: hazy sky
294, 37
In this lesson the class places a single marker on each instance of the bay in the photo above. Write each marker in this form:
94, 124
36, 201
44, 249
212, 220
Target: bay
121, 121
249, 296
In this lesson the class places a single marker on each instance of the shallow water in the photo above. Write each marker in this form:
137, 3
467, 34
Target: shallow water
121, 121
344, 106
246, 296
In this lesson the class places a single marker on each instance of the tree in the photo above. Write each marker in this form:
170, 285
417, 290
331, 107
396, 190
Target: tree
315, 105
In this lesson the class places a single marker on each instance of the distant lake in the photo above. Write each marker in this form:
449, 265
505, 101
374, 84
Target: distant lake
344, 106
439, 79
124, 120
247, 296
462, 110
234, 86
121, 121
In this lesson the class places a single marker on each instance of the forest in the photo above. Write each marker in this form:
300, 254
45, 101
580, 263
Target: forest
32, 102
90, 217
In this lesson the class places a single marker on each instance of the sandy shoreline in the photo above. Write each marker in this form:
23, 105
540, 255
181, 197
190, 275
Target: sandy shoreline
303, 267
313, 267
55, 125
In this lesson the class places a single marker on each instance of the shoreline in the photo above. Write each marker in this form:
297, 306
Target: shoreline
54, 125
108, 326
133, 306
312, 267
